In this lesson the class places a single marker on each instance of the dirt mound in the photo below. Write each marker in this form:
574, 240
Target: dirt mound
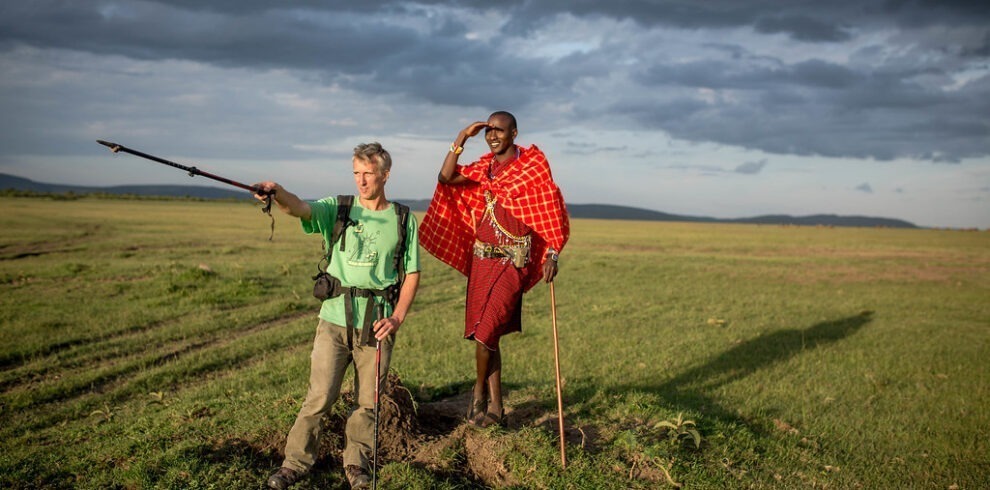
449, 446
468, 453
436, 437
398, 426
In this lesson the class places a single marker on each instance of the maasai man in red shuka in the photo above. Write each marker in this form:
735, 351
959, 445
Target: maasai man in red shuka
502, 222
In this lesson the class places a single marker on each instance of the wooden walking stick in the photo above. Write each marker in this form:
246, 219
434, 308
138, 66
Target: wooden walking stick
556, 361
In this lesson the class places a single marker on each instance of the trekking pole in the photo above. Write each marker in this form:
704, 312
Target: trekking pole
556, 361
193, 171
378, 365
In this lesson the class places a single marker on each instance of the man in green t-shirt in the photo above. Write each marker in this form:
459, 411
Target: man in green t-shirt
367, 264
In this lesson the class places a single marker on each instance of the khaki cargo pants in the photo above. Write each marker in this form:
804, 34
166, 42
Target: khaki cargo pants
329, 362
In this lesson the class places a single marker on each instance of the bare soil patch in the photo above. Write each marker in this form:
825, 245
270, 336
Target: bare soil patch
435, 436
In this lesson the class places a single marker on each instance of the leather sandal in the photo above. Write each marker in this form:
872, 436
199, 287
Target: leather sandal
476, 411
492, 418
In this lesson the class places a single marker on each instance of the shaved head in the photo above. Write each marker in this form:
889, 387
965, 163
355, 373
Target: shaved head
512, 119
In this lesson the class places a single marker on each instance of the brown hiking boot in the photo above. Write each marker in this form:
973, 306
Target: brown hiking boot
357, 477
283, 478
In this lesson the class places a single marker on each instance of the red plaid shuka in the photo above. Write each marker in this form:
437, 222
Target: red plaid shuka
525, 189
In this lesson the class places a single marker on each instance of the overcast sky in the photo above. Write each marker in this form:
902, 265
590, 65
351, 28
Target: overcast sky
724, 108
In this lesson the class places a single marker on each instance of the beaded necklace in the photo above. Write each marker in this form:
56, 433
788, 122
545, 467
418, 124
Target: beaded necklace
490, 207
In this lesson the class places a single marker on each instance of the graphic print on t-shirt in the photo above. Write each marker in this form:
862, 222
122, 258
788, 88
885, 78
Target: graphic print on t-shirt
364, 255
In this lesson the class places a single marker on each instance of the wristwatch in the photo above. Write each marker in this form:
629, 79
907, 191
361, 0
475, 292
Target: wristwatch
553, 254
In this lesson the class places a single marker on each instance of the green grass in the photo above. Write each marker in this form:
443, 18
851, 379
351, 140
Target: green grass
165, 344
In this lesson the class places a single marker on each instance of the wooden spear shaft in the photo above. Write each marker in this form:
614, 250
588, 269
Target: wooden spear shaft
556, 361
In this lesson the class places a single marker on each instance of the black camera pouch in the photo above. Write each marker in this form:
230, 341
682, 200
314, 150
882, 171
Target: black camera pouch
326, 286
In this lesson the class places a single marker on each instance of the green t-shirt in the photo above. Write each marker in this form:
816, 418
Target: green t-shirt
367, 260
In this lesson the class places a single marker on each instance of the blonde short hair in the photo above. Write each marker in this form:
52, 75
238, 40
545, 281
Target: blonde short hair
373, 152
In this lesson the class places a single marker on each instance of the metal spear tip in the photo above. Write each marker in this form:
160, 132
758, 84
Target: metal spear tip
114, 147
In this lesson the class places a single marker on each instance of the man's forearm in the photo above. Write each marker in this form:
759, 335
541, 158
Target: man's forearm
447, 170
406, 296
290, 204
448, 173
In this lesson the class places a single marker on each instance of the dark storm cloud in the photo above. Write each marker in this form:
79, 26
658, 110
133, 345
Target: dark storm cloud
728, 74
577, 148
151, 31
800, 20
751, 168
801, 28
349, 43
818, 107
880, 102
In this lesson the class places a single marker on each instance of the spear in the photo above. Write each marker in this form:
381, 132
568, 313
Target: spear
193, 171
556, 362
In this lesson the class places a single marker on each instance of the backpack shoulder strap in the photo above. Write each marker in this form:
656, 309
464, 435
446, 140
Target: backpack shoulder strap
344, 203
402, 212
342, 221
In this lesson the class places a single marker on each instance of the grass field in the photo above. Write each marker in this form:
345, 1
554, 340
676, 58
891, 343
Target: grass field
165, 344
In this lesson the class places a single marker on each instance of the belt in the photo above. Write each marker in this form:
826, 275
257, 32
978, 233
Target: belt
489, 251
517, 254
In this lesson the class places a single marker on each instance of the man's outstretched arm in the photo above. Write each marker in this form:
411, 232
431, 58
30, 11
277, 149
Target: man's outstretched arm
288, 202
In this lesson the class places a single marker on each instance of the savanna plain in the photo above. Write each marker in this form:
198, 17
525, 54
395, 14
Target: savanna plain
165, 344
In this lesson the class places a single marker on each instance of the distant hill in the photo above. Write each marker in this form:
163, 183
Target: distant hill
827, 220
594, 211
203, 192
611, 211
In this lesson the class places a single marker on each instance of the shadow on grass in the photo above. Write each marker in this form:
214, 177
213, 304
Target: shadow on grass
694, 390
264, 457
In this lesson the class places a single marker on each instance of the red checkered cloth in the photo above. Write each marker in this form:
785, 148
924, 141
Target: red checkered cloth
525, 189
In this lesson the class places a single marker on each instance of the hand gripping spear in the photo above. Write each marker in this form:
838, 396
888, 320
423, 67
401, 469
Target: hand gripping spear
193, 171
